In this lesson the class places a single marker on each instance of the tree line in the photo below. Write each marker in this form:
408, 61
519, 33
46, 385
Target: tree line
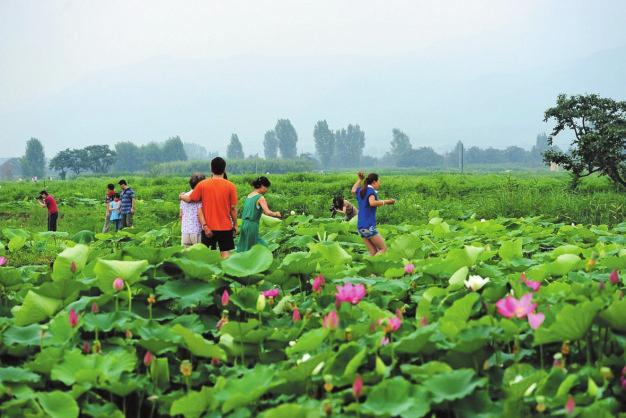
598, 145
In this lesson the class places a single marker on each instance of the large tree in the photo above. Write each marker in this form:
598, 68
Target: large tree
235, 149
270, 145
151, 154
195, 151
34, 160
78, 160
128, 157
174, 150
287, 139
324, 143
349, 144
62, 162
598, 144
400, 146
99, 158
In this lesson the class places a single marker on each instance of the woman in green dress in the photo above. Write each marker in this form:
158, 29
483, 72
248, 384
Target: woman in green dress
254, 205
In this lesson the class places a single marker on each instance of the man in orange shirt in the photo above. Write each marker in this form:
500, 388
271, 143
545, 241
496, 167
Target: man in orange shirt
219, 207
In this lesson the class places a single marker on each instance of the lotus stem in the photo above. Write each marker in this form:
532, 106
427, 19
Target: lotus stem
130, 297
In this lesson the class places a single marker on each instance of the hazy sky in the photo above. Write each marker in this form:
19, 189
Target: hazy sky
50, 49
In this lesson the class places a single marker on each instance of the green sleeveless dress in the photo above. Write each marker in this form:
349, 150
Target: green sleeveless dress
251, 214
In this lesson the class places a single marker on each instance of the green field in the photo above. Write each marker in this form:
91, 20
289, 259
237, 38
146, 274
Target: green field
426, 339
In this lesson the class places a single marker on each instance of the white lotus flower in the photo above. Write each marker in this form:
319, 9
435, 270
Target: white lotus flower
293, 212
304, 358
476, 282
483, 220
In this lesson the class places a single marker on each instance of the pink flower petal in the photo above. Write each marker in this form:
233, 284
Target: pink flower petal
536, 319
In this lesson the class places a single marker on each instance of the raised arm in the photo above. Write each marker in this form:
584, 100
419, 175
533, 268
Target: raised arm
266, 209
358, 182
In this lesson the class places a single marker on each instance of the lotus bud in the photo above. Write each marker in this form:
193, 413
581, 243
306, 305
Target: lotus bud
328, 387
215, 361
592, 388
3, 261
601, 285
292, 213
86, 347
129, 334
118, 284
151, 299
147, 359
73, 267
225, 298
409, 268
296, 315
570, 405
384, 341
606, 373
380, 367
357, 386
565, 348
348, 334
541, 407
97, 347
424, 321
95, 308
622, 381
260, 302
73, 318
186, 368
614, 277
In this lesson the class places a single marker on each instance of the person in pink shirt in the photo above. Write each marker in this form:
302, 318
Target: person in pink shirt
190, 226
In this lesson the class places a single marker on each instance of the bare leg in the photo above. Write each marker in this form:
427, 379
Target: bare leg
370, 247
379, 243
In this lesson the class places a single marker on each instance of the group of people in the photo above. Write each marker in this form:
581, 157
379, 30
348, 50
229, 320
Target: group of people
120, 206
208, 211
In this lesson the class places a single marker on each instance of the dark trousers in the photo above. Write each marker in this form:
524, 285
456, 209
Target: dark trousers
52, 221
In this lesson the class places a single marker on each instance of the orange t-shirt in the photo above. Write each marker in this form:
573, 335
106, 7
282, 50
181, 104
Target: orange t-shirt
217, 196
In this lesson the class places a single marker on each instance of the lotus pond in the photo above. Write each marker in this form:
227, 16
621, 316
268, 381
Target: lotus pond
460, 318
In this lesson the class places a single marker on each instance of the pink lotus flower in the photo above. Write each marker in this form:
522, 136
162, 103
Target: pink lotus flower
622, 381
570, 405
318, 283
392, 324
357, 386
409, 269
94, 308
73, 317
3, 261
295, 316
225, 298
272, 293
147, 359
535, 319
510, 307
350, 293
331, 320
533, 285
614, 277
384, 341
118, 284
86, 347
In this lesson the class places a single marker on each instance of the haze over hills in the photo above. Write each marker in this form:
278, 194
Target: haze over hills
437, 99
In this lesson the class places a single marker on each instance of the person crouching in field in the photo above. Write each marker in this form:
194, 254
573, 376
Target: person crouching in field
366, 191
190, 223
108, 198
254, 205
115, 212
219, 207
341, 205
46, 200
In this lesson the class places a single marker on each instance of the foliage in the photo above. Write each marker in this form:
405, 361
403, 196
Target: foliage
270, 145
421, 343
599, 142
287, 139
34, 160
234, 151
324, 143
349, 144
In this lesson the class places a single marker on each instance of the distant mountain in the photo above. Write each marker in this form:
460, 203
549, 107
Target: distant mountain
434, 99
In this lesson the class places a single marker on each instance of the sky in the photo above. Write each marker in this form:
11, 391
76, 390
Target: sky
74, 73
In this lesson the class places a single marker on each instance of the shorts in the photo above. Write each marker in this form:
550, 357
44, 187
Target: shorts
225, 240
368, 233
190, 239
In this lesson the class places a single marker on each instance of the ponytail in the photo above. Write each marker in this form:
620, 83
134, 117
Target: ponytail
371, 178
261, 182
